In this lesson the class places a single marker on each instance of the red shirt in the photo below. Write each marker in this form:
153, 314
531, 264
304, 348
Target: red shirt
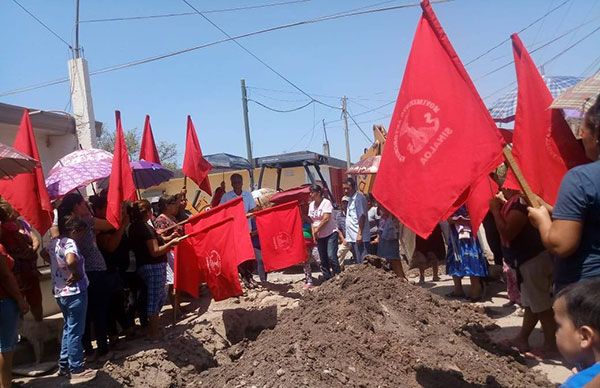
11, 263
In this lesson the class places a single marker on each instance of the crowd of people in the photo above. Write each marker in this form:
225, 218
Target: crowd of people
106, 280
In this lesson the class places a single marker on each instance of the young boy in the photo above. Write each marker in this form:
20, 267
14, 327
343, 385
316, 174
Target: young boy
577, 315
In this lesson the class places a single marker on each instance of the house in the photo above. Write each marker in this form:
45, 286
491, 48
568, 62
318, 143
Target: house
54, 132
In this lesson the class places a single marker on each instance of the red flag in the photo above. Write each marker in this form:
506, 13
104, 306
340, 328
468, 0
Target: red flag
215, 249
280, 234
543, 143
235, 209
120, 184
148, 151
478, 201
441, 139
188, 275
27, 192
195, 166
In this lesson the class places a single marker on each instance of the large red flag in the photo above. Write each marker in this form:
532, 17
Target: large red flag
120, 185
442, 139
195, 166
27, 192
148, 151
235, 209
280, 234
478, 201
217, 256
543, 143
189, 270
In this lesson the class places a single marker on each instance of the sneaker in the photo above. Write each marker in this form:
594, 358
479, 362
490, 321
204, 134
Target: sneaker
63, 373
83, 377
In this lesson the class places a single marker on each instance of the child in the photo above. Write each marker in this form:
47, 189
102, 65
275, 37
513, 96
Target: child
388, 245
577, 315
70, 285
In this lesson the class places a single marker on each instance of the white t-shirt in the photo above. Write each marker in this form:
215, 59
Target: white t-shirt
58, 250
316, 215
357, 207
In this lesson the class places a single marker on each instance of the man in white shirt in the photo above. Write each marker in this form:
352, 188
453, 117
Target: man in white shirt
246, 268
357, 223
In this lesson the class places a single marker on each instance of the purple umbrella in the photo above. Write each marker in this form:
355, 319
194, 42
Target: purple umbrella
64, 179
145, 174
83, 156
148, 174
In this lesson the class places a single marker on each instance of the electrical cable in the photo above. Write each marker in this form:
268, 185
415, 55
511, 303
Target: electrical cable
42, 23
256, 57
359, 127
571, 46
168, 15
194, 48
544, 45
520, 31
281, 110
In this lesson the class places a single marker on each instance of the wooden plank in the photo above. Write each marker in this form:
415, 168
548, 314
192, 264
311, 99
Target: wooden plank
530, 197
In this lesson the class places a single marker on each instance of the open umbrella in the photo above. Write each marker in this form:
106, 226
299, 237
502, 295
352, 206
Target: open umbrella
83, 156
145, 174
504, 109
579, 97
368, 165
64, 179
13, 162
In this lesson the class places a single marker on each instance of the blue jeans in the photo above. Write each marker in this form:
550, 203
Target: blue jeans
327, 247
9, 322
359, 250
74, 309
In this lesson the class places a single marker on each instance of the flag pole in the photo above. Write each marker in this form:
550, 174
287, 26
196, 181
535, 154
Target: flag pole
512, 163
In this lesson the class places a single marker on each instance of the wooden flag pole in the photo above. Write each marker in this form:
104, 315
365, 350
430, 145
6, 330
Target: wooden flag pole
512, 163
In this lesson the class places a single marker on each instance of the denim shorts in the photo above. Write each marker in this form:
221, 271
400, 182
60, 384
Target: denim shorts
9, 322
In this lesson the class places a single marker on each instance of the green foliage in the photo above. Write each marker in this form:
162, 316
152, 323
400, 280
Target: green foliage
133, 138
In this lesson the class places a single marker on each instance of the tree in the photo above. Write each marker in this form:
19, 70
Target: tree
166, 151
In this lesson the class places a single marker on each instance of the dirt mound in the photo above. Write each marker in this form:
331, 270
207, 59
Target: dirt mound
367, 329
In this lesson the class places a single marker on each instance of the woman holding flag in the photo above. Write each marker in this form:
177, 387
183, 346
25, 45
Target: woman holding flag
151, 258
324, 231
571, 229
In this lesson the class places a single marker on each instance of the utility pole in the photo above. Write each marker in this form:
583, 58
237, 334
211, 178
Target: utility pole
247, 129
81, 94
345, 117
326, 150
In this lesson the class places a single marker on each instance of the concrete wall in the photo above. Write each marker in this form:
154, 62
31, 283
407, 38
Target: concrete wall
52, 146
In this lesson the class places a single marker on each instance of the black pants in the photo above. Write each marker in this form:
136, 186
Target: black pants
97, 311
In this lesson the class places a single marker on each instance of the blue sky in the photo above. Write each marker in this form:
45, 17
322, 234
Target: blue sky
362, 57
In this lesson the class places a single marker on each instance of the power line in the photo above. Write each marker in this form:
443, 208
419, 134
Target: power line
365, 112
359, 128
256, 57
520, 31
544, 45
42, 23
198, 47
571, 46
281, 110
168, 15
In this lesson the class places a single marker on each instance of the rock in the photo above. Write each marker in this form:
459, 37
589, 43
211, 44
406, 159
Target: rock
280, 372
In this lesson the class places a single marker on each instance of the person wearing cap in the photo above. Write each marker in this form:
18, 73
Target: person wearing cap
343, 247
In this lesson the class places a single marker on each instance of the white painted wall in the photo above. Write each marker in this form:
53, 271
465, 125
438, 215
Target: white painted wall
51, 147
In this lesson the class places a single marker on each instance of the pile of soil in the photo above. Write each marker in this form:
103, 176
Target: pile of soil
364, 328
368, 329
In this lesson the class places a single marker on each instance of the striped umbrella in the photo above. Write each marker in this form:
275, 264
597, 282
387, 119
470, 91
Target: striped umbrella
13, 162
579, 97
504, 109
